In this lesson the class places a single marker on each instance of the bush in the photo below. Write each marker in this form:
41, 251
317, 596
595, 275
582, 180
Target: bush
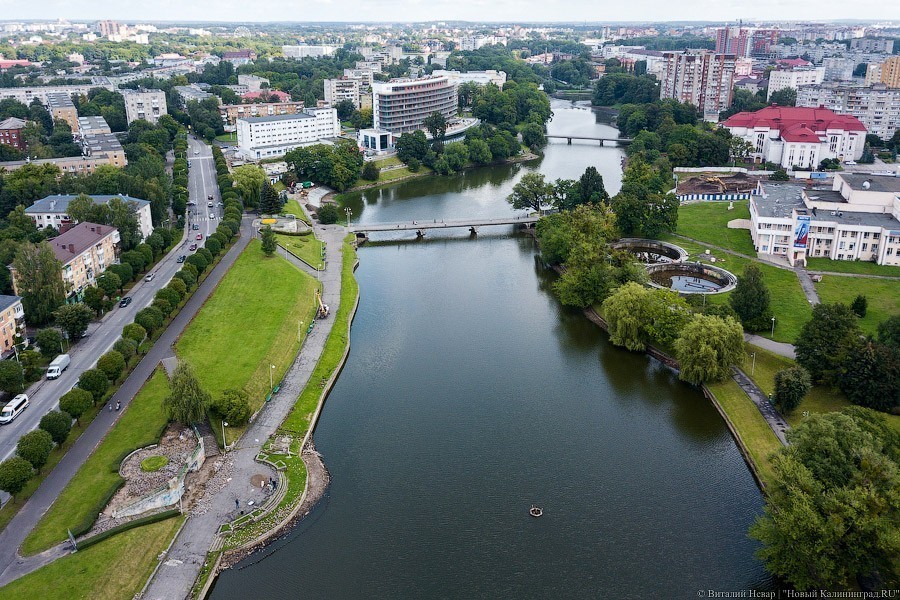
791, 385
860, 305
178, 286
112, 363
95, 382
134, 332
126, 347
57, 424
14, 474
76, 402
329, 214
35, 447
49, 340
413, 165
233, 406
371, 171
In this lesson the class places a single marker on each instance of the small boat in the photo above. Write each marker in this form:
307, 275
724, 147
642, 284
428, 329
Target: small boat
535, 511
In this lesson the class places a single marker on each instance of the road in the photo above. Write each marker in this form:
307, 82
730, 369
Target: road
101, 335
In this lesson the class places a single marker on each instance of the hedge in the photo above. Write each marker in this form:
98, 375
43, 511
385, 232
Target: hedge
154, 518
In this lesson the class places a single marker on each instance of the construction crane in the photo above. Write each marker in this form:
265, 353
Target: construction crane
322, 311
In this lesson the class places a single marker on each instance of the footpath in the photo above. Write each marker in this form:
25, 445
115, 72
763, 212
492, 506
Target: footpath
184, 560
13, 566
773, 417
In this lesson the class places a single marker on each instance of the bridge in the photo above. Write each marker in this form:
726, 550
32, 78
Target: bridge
420, 226
586, 137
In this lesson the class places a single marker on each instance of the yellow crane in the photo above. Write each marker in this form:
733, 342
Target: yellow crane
322, 312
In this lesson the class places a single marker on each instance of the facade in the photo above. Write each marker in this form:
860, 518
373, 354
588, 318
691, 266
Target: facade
145, 104
85, 251
890, 72
191, 93
11, 133
344, 88
270, 137
75, 165
733, 40
253, 83
482, 78
877, 107
802, 137
883, 45
12, 322
26, 95
305, 51
106, 145
239, 57
401, 105
857, 219
701, 78
838, 69
53, 211
794, 78
373, 141
232, 112
61, 107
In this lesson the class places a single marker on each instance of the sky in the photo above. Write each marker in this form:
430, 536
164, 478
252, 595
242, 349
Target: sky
432, 10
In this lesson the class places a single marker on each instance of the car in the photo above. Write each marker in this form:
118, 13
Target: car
192, 247
199, 236
195, 227
196, 152
851, 163
209, 197
212, 215
181, 259
209, 204
149, 276
124, 301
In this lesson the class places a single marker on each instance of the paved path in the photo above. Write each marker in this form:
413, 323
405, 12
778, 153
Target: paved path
13, 566
779, 348
773, 417
806, 283
177, 574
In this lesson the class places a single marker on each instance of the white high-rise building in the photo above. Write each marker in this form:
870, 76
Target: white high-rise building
304, 51
271, 137
877, 106
401, 105
794, 78
701, 78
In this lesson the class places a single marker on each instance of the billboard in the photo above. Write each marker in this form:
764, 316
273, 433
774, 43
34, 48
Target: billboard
801, 231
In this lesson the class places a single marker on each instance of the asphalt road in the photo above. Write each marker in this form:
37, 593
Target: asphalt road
44, 395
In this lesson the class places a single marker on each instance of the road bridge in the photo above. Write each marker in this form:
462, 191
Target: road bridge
421, 226
569, 138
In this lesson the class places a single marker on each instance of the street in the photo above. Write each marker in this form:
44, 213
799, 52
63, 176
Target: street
101, 335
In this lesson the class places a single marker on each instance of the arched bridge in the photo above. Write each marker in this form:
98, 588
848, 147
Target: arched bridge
420, 226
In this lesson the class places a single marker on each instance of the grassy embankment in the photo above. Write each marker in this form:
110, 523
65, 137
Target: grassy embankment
883, 296
97, 480
855, 267
257, 317
307, 247
115, 568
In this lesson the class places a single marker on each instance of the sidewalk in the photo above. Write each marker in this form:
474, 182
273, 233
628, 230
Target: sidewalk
806, 283
779, 348
177, 573
773, 417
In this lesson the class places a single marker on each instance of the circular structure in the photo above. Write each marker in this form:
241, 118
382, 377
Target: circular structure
651, 251
154, 463
691, 278
535, 511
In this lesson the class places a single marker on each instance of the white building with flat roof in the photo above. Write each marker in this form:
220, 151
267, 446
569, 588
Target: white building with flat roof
401, 105
794, 78
271, 137
482, 78
306, 51
148, 105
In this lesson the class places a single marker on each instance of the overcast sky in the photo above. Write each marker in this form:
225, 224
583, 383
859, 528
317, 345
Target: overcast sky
470, 10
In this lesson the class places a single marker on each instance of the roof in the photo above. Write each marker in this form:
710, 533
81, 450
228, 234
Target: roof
60, 203
799, 133
783, 118
266, 94
12, 123
7, 301
78, 239
780, 199
238, 54
268, 119
877, 183
794, 62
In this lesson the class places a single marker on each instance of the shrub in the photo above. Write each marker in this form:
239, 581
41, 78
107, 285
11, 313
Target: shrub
860, 305
112, 363
35, 447
135, 332
233, 406
57, 424
791, 385
95, 382
413, 165
329, 214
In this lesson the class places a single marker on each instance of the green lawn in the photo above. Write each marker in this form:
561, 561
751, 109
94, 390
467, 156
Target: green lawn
708, 222
117, 567
856, 267
291, 207
87, 493
307, 247
391, 161
227, 137
256, 317
883, 296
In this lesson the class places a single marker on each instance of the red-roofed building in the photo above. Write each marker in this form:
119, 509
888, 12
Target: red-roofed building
794, 136
793, 62
8, 64
266, 96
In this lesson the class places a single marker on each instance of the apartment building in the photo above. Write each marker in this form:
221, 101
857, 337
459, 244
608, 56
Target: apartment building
888, 72
232, 112
239, 57
401, 105
53, 211
191, 93
93, 125
838, 69
253, 83
11, 133
877, 106
883, 45
701, 78
733, 40
269, 137
345, 88
104, 145
794, 78
307, 51
144, 104
481, 78
61, 107
26, 95
856, 219
12, 322
803, 137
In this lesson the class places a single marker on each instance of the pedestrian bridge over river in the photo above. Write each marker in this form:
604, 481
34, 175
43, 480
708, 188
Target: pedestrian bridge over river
420, 226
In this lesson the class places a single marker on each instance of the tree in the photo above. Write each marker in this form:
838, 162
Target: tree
269, 244
707, 347
150, 318
73, 319
95, 382
38, 281
412, 145
50, 341
249, 180
825, 340
638, 316
127, 347
831, 502
57, 424
234, 407
532, 192
187, 402
14, 474
870, 376
750, 300
591, 188
889, 332
328, 213
109, 282
12, 377
859, 305
269, 201
533, 136
784, 97
479, 152
134, 332
791, 386
344, 109
436, 125
135, 260
370, 171
112, 363
35, 447
93, 299
780, 175
646, 213
76, 402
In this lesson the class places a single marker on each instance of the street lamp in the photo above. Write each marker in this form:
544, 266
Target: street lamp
349, 212
773, 326
753, 366
271, 382
224, 441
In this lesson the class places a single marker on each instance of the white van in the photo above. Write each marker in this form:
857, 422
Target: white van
13, 408
58, 365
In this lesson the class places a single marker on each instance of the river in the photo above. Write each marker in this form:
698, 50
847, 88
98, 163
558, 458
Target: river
470, 394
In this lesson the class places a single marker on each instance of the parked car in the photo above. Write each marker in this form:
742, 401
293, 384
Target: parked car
195, 227
124, 301
149, 276
199, 236
181, 259
851, 163
192, 247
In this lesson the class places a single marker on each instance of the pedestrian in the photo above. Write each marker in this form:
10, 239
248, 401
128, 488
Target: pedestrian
110, 407
237, 504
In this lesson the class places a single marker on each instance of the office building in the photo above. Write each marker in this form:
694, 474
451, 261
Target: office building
53, 211
701, 78
794, 78
798, 137
877, 107
148, 105
61, 107
232, 112
401, 105
12, 323
305, 51
269, 137
11, 133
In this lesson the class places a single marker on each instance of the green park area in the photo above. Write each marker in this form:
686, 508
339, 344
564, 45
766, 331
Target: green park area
708, 222
257, 317
855, 267
98, 479
117, 567
882, 296
307, 248
292, 207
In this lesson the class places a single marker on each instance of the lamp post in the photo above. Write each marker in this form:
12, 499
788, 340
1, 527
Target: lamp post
753, 366
271, 382
349, 212
224, 441
773, 326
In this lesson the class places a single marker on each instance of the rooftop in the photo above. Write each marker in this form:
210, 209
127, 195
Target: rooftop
102, 142
78, 239
877, 183
269, 119
7, 301
781, 199
785, 117
12, 123
60, 203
